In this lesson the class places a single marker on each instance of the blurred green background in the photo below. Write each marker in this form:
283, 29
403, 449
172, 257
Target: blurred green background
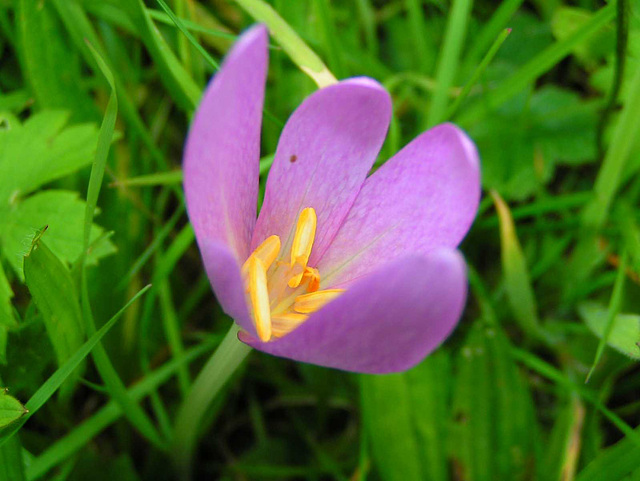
554, 256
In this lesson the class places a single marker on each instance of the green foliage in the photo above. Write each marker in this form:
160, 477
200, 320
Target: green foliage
10, 409
624, 335
55, 295
553, 106
408, 417
36, 153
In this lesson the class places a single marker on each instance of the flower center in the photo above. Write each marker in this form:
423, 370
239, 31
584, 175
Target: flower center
283, 293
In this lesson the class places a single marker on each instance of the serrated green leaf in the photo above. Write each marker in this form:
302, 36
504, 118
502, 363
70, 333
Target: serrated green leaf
63, 213
42, 149
10, 409
55, 295
625, 332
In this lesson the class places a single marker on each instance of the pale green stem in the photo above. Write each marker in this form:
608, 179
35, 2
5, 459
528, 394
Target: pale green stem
215, 373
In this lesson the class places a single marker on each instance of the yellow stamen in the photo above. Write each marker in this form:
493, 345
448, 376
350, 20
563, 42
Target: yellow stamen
259, 297
302, 243
308, 303
286, 322
266, 252
313, 275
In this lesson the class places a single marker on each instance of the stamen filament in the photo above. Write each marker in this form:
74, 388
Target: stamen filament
286, 322
308, 303
259, 296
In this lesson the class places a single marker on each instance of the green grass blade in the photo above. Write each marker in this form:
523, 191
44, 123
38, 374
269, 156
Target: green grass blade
499, 20
535, 67
478, 72
614, 309
51, 385
81, 435
188, 34
11, 463
114, 384
448, 62
300, 53
622, 142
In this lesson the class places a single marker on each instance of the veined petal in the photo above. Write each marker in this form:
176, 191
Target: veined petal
222, 152
224, 274
324, 154
385, 322
423, 198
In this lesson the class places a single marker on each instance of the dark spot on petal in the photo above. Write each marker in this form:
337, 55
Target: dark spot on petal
293, 158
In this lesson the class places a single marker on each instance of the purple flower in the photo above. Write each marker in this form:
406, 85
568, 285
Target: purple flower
340, 269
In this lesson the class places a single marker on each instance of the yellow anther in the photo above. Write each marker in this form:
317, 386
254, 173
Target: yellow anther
286, 322
266, 252
308, 303
313, 275
259, 296
304, 237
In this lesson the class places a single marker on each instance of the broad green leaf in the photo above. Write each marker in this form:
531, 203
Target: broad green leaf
42, 149
528, 138
44, 52
10, 409
405, 416
305, 58
625, 331
495, 430
55, 295
63, 213
516, 274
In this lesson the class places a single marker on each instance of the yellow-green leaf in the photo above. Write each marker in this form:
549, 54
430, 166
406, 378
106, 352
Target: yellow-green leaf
305, 58
516, 273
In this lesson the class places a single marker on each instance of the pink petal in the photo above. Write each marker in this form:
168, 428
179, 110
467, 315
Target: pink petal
222, 153
224, 274
386, 322
323, 156
423, 198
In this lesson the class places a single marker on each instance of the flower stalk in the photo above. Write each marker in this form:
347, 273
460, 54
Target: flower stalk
213, 376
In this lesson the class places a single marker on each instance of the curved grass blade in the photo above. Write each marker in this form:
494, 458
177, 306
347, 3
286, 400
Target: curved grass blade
614, 308
81, 435
134, 413
305, 58
52, 384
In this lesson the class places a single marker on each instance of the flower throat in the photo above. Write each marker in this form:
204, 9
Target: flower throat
284, 292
